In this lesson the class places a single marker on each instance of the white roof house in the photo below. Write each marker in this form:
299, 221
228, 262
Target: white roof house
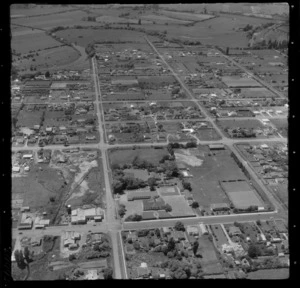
16, 169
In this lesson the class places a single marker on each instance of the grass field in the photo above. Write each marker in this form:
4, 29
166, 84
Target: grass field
208, 134
114, 19
29, 119
126, 156
215, 168
210, 262
219, 235
281, 125
179, 206
85, 36
236, 81
38, 187
34, 42
52, 59
164, 19
186, 16
249, 123
283, 273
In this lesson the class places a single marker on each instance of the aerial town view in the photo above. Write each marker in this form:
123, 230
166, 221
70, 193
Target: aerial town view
149, 141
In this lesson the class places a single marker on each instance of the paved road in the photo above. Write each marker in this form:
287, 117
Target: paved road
110, 218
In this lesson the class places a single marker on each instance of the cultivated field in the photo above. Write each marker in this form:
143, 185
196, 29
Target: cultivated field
164, 19
186, 16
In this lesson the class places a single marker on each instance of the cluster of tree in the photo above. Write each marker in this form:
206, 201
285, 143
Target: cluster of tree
186, 185
179, 226
108, 273
134, 217
122, 210
175, 145
23, 258
58, 28
90, 50
248, 27
127, 183
90, 18
254, 251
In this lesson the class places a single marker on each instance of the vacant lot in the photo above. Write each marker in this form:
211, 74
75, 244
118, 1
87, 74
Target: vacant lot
126, 156
281, 125
283, 273
215, 167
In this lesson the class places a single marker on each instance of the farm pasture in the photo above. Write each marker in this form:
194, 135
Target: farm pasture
34, 42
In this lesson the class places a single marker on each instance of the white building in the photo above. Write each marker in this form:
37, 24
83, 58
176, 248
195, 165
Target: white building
203, 229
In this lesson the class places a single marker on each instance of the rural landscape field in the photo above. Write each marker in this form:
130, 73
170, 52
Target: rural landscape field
149, 141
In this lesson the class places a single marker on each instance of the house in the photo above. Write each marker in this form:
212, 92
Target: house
203, 229
178, 235
192, 230
216, 147
132, 236
143, 271
233, 231
166, 230
16, 169
219, 207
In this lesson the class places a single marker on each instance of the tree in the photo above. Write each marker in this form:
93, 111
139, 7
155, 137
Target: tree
195, 205
258, 222
179, 226
195, 247
254, 251
20, 259
186, 185
118, 187
157, 232
108, 273
72, 257
168, 208
171, 244
27, 255
122, 210
152, 183
136, 245
139, 22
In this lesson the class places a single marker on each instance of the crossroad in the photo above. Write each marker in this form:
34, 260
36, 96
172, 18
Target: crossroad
111, 224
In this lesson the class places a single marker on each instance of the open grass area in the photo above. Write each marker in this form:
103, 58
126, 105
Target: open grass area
208, 134
281, 125
219, 235
210, 262
180, 206
247, 123
85, 36
205, 182
125, 156
283, 273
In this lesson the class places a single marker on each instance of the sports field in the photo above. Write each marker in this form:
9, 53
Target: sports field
241, 194
216, 167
